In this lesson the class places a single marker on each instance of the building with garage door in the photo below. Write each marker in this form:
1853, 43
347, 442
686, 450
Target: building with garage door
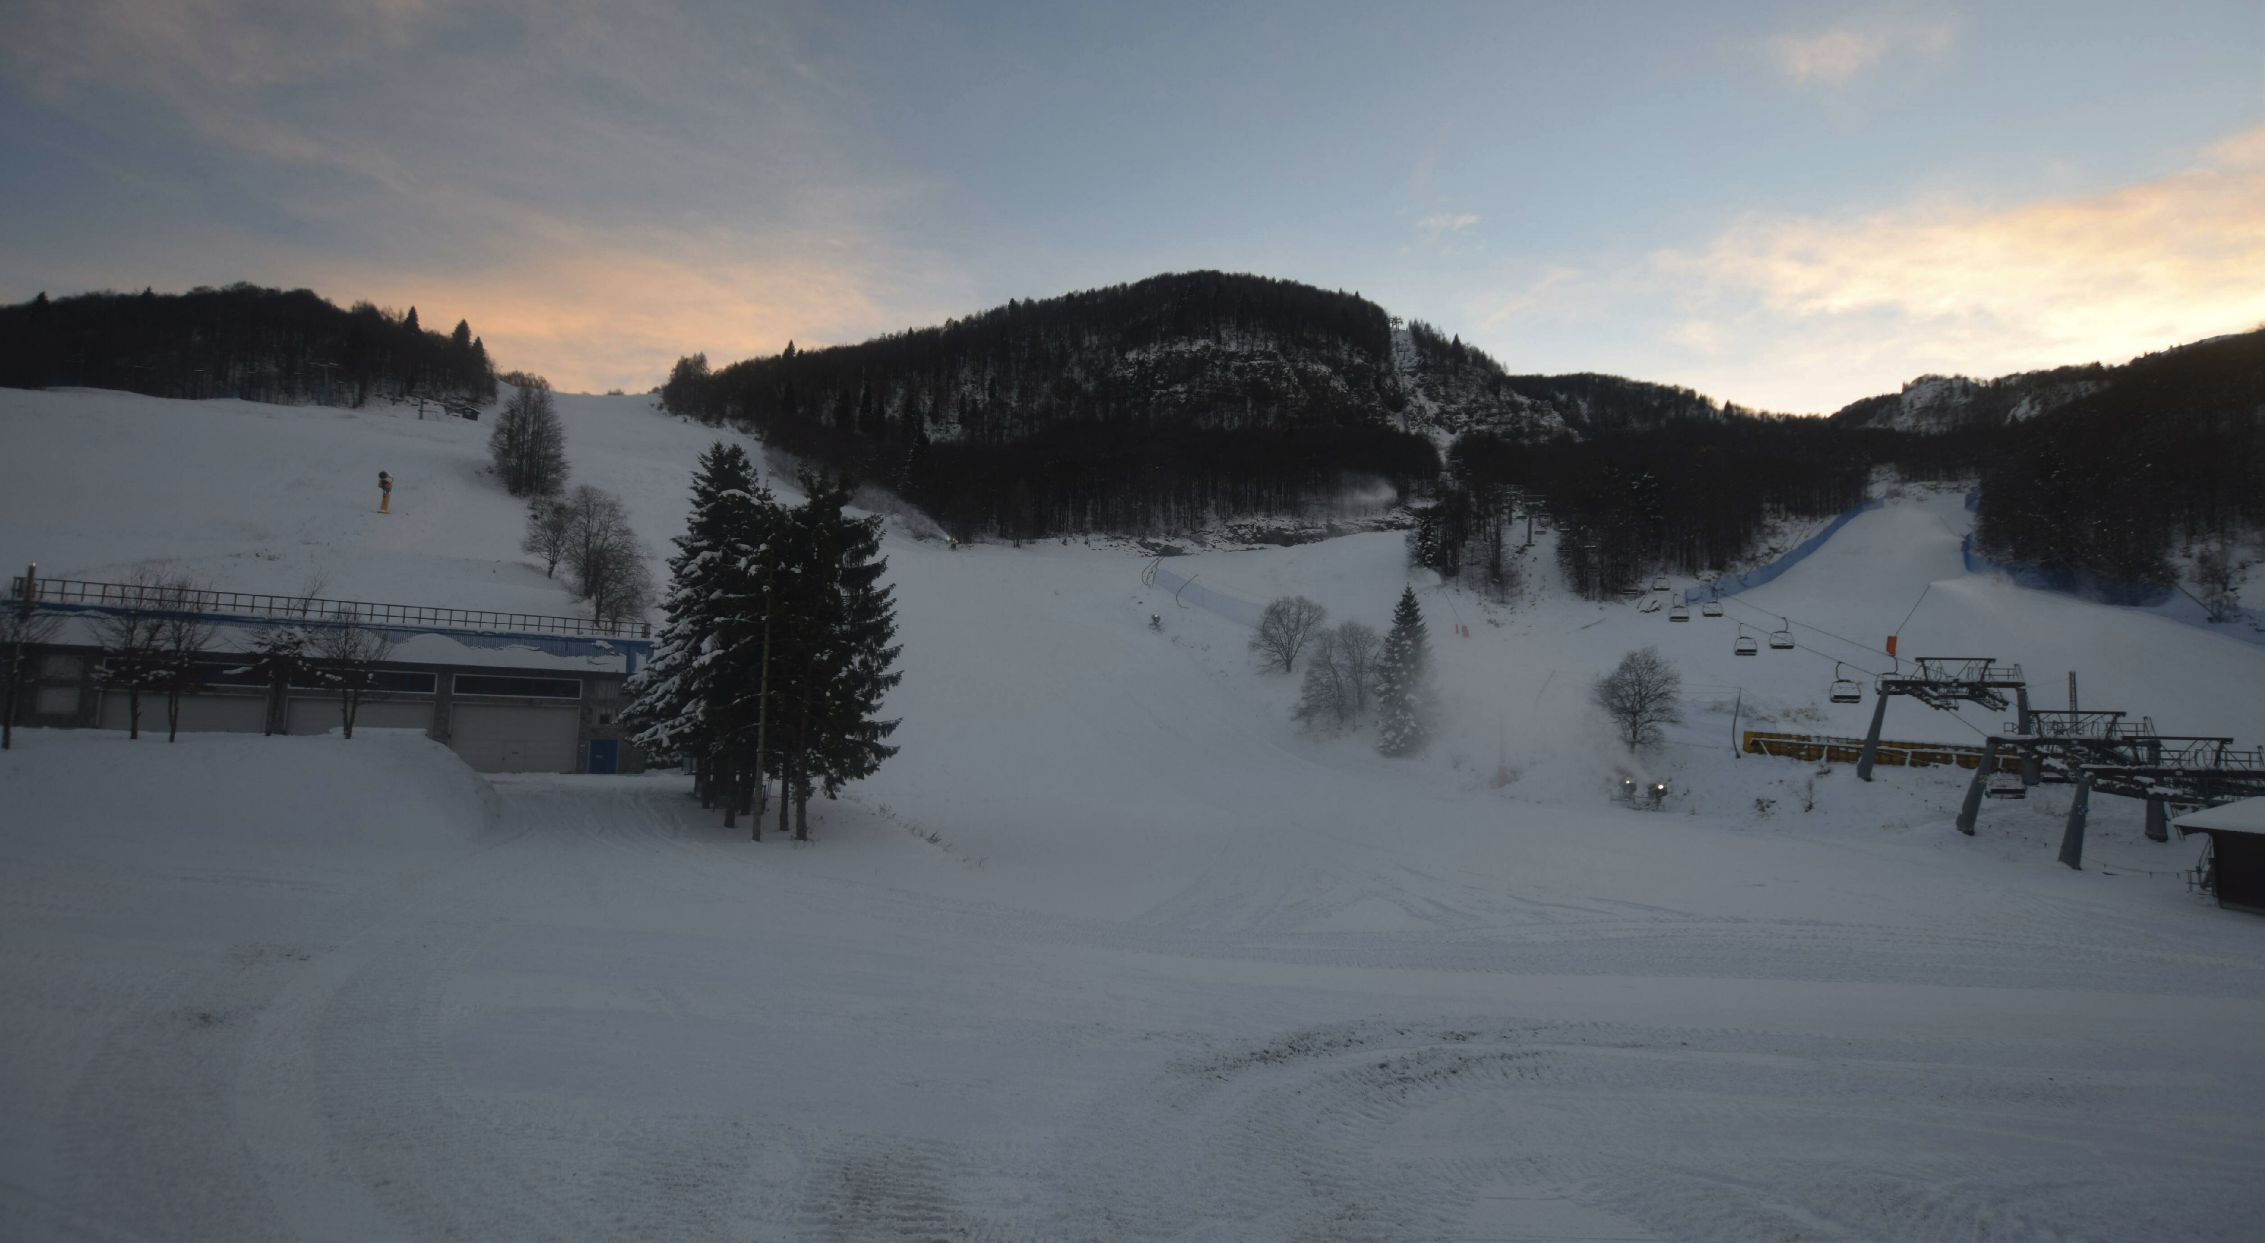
528, 701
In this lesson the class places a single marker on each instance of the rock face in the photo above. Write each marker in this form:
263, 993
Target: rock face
1937, 403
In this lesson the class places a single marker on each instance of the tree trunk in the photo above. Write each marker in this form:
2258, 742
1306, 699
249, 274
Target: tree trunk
731, 802
802, 768
763, 695
172, 714
134, 708
15, 675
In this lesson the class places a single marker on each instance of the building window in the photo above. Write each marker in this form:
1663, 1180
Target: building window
57, 701
522, 688
60, 668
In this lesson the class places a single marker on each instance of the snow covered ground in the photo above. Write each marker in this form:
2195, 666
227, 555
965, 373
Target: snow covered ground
1111, 950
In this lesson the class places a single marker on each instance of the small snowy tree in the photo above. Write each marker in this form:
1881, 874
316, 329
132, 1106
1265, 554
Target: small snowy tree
1642, 695
351, 653
279, 658
131, 632
1325, 698
604, 558
2217, 577
1403, 681
549, 532
1358, 648
183, 636
22, 625
529, 443
1284, 629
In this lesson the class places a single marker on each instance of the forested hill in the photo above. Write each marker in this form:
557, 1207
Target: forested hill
291, 347
1157, 405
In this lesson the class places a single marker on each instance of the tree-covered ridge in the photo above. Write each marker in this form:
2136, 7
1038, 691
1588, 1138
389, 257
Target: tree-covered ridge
2167, 450
1202, 349
291, 347
1150, 407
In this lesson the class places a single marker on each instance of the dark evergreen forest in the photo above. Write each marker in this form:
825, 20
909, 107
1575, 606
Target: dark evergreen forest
1149, 407
290, 347
2168, 451
1688, 496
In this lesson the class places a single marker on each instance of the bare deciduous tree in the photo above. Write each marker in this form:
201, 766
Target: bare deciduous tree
183, 636
550, 527
350, 652
1358, 649
1284, 629
2217, 575
1325, 698
1642, 695
604, 559
529, 443
130, 630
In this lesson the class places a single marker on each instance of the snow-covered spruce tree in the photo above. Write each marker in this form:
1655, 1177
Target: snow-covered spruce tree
846, 732
830, 650
676, 696
1403, 681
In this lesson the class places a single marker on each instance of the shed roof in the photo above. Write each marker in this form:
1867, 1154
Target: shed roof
2246, 816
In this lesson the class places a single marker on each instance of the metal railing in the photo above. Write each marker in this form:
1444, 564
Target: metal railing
310, 610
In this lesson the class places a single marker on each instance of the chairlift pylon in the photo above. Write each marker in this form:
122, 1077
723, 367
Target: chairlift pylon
1845, 690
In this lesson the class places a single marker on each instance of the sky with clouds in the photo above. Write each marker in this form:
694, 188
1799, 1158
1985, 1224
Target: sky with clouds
1785, 205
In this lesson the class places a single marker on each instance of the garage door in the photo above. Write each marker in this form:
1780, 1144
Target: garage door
245, 714
516, 738
320, 715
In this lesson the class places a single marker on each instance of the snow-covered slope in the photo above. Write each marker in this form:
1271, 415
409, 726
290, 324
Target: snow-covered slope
1111, 950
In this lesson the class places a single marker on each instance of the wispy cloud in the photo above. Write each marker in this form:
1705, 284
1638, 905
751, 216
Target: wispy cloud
1805, 313
573, 178
1839, 53
1435, 227
1798, 306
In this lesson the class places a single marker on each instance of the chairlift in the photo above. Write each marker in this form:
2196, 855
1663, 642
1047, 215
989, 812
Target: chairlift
1679, 614
1650, 606
1712, 608
1746, 646
1782, 638
1845, 690
1660, 583
2006, 785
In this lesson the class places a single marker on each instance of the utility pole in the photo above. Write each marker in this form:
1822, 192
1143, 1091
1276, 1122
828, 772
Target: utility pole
763, 706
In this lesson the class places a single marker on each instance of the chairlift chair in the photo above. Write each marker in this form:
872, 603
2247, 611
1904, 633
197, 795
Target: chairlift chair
1712, 608
1746, 646
1660, 583
1781, 639
1845, 690
1679, 614
2006, 785
1650, 606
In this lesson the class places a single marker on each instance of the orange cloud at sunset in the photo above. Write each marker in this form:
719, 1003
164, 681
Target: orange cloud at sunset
1948, 285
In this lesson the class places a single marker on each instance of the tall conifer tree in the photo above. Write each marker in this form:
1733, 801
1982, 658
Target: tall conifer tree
1403, 681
